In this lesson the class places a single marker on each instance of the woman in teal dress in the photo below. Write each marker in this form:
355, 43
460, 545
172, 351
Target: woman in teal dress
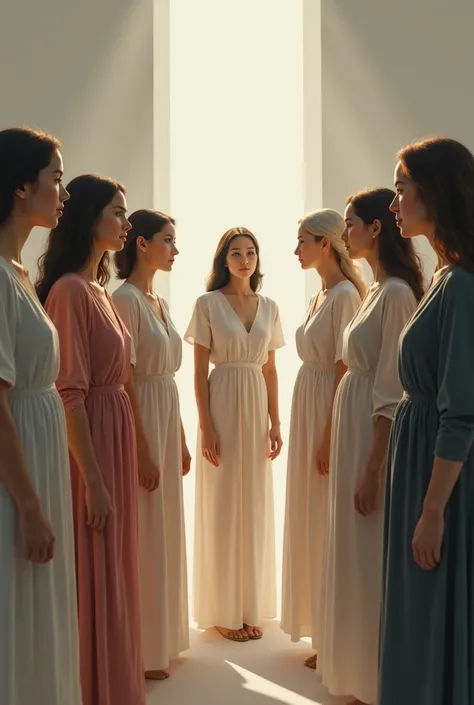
427, 632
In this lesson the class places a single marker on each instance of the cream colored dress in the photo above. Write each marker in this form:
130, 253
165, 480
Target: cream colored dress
39, 645
351, 601
319, 345
156, 356
234, 575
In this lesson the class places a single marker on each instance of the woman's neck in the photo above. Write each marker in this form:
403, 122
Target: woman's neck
13, 236
379, 273
91, 271
330, 274
238, 287
142, 278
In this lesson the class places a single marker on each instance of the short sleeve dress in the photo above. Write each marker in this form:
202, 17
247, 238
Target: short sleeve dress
39, 649
234, 575
156, 357
319, 345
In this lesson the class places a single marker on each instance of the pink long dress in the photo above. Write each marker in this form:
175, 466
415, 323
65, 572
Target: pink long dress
95, 351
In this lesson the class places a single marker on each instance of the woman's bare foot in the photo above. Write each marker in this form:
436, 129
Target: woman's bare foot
233, 634
253, 632
311, 661
157, 675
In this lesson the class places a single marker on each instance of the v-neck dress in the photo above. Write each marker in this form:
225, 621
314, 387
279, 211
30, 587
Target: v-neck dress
319, 345
427, 634
352, 590
234, 558
95, 365
39, 649
156, 357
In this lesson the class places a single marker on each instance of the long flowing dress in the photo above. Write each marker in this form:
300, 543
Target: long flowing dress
95, 364
156, 356
319, 345
234, 575
350, 605
427, 631
39, 647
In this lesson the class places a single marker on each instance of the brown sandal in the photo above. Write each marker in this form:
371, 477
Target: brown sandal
226, 633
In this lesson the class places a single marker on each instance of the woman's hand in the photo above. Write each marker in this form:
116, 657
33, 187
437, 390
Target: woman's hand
210, 446
99, 506
148, 473
276, 442
37, 536
322, 456
186, 458
367, 496
428, 539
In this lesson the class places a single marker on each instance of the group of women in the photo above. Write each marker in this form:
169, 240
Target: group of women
378, 545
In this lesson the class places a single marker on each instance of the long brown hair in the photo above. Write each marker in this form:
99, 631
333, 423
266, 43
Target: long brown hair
23, 154
145, 223
69, 247
220, 275
396, 254
443, 172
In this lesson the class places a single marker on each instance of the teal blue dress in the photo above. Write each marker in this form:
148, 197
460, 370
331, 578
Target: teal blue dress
427, 625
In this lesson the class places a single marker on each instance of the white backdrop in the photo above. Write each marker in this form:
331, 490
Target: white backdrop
237, 112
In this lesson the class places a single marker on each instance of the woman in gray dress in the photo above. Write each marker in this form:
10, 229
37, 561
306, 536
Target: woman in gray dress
427, 633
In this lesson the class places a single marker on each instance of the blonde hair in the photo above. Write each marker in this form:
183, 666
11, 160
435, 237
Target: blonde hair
326, 222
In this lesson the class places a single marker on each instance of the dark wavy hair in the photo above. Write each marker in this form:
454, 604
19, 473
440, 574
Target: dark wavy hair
443, 172
145, 223
396, 254
220, 275
23, 154
70, 243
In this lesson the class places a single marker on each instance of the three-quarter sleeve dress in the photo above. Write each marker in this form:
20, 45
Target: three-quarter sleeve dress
427, 630
95, 365
350, 604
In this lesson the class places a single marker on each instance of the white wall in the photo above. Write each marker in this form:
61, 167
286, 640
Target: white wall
83, 71
392, 72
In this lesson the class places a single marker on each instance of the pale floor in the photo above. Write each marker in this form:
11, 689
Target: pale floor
219, 672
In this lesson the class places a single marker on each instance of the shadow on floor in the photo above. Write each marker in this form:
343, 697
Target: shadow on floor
216, 671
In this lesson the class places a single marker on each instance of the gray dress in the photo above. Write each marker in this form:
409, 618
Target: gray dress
427, 632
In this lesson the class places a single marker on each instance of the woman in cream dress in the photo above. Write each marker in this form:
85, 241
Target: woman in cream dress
363, 410
39, 649
319, 345
238, 331
162, 450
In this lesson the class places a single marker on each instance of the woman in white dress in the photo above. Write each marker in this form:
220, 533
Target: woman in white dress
39, 654
363, 411
319, 345
237, 330
162, 451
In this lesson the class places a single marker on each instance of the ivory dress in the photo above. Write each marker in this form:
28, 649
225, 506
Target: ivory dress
350, 605
427, 635
319, 345
39, 648
156, 356
234, 577
95, 365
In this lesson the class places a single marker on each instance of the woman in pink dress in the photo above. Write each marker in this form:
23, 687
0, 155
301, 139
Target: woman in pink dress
95, 366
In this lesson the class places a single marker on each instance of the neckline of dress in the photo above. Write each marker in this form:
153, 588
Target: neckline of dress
238, 317
162, 321
311, 316
115, 320
15, 274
